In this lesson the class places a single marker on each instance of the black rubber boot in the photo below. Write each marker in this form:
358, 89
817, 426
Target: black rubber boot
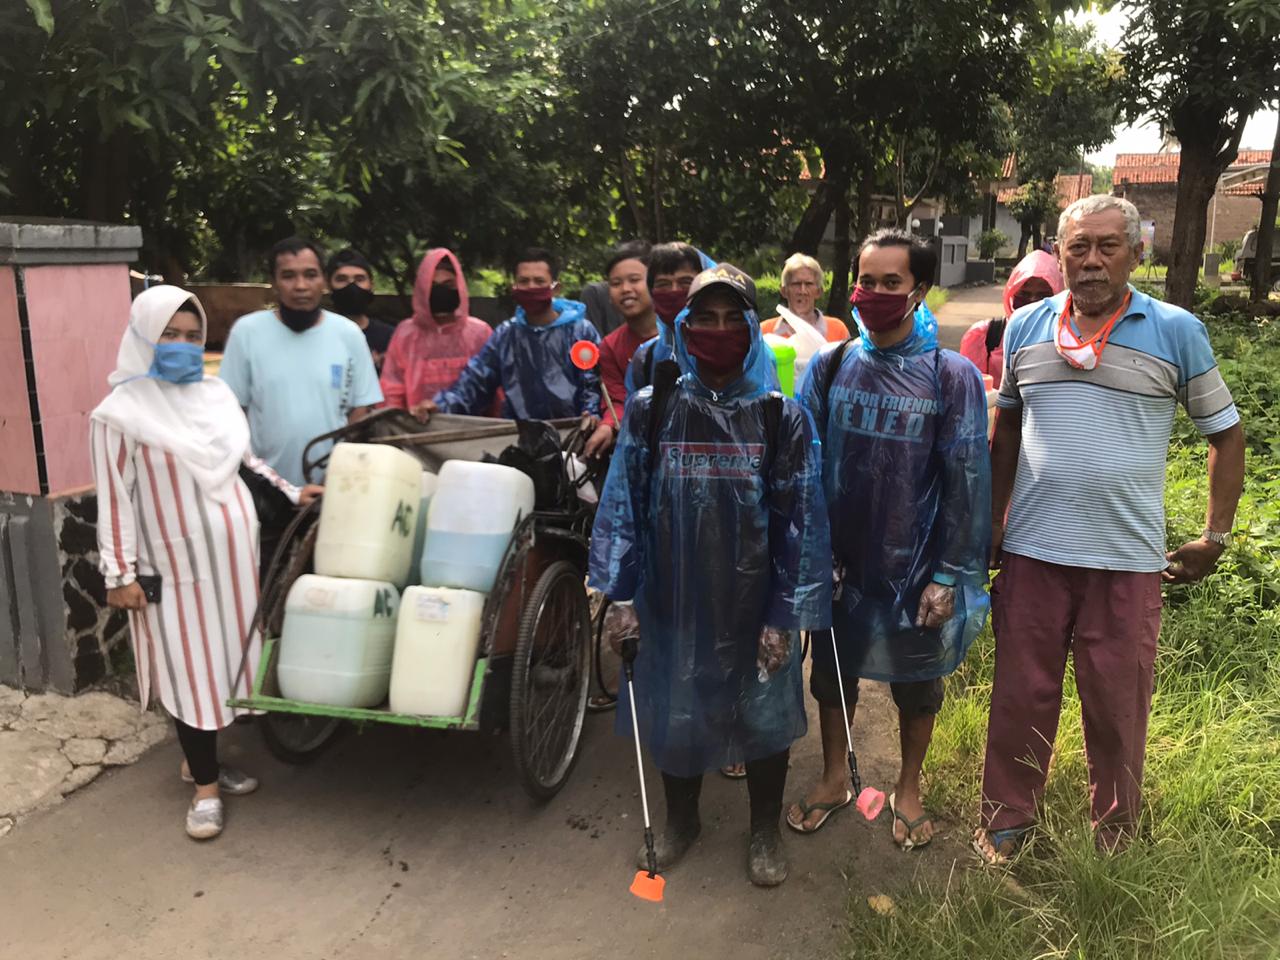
683, 822
766, 861
670, 845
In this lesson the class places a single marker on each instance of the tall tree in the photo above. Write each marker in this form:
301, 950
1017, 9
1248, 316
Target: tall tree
1266, 240
151, 109
1200, 68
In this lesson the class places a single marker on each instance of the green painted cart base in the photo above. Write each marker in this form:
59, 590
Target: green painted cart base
266, 698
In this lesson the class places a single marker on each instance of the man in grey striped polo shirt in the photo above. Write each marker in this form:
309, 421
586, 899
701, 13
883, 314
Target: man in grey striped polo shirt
1092, 380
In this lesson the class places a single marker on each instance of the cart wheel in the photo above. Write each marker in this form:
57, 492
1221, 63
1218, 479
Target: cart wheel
549, 679
296, 738
603, 698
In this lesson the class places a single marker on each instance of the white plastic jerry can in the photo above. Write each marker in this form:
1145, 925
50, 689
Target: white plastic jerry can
335, 647
371, 498
420, 527
437, 644
473, 512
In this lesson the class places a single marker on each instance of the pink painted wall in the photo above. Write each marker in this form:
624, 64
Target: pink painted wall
77, 315
17, 441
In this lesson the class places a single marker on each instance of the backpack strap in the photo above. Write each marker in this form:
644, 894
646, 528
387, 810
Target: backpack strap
995, 334
664, 386
649, 359
829, 375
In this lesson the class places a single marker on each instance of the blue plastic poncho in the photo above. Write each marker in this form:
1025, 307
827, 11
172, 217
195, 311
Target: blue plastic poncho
532, 366
761, 366
712, 550
907, 476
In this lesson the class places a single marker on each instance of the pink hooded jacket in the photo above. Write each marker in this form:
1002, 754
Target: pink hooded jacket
426, 357
974, 344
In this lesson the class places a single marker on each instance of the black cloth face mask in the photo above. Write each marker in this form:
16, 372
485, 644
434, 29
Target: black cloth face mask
352, 300
444, 299
299, 321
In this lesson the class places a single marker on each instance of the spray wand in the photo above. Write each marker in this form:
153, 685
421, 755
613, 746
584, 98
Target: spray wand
647, 885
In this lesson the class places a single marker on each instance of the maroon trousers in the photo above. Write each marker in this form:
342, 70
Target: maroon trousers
1109, 620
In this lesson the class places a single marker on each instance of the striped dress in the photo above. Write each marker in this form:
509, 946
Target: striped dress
154, 519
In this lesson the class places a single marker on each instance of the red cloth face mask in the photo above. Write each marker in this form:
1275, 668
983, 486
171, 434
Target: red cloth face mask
532, 300
880, 312
719, 351
667, 304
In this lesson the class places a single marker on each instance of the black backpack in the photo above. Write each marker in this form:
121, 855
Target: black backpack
665, 377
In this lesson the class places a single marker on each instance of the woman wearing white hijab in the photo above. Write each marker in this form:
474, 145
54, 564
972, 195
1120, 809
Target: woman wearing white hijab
175, 518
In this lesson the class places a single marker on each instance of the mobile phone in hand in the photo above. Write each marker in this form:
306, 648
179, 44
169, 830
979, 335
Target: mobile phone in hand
150, 584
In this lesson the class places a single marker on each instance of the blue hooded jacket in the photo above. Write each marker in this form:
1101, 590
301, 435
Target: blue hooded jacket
715, 534
907, 476
532, 366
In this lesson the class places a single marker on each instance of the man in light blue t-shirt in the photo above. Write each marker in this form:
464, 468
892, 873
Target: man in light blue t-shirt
298, 371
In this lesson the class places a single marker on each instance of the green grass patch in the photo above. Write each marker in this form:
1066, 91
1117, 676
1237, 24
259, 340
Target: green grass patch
1204, 879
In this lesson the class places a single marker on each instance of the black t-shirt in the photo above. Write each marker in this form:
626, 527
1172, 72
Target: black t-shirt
378, 336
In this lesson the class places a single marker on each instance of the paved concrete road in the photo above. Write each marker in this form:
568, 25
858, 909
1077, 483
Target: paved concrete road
964, 307
413, 844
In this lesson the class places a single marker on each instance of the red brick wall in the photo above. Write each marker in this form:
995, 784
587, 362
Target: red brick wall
1155, 201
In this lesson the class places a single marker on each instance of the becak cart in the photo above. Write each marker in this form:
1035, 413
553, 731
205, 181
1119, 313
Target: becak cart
532, 676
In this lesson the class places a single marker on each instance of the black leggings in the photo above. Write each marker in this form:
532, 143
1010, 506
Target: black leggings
766, 784
200, 747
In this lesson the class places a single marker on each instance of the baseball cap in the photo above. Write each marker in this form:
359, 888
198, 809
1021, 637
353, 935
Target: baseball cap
728, 276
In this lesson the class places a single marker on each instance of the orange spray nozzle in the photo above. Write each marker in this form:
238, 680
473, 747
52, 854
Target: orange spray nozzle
648, 886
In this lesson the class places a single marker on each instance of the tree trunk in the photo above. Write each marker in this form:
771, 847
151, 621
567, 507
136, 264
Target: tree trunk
838, 301
1262, 272
1037, 237
1022, 240
866, 187
634, 203
104, 176
1198, 173
822, 203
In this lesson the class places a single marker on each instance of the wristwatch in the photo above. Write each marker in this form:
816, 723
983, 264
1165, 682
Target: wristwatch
1221, 539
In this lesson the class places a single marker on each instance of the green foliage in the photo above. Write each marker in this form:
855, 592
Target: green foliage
1204, 880
1034, 202
1103, 177
1071, 104
1228, 248
991, 242
1199, 68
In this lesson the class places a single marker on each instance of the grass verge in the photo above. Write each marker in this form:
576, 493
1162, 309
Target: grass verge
1203, 883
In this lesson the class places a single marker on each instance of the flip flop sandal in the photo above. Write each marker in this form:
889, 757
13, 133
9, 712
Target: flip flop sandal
827, 810
601, 703
908, 843
733, 772
989, 853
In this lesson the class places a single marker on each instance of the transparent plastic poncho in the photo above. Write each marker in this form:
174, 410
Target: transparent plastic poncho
533, 368
722, 531
907, 477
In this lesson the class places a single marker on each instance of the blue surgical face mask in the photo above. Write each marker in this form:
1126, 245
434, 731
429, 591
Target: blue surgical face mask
178, 363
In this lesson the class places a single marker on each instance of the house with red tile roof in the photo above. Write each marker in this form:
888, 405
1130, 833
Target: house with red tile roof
1150, 182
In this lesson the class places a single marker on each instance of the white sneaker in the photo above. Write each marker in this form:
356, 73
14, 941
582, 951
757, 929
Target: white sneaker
204, 819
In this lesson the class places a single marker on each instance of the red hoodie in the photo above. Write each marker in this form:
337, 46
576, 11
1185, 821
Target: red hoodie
425, 357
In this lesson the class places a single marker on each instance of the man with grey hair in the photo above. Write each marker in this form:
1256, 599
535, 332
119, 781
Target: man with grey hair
1092, 379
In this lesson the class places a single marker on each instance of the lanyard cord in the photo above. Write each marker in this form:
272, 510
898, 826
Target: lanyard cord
1100, 337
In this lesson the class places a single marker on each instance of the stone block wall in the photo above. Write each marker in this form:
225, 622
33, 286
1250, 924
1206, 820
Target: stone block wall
97, 636
56, 632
